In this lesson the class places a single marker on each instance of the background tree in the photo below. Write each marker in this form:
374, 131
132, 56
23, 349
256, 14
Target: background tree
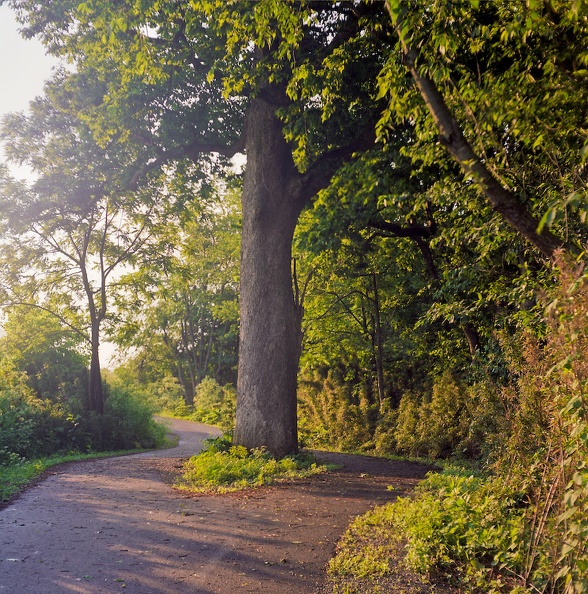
186, 313
69, 230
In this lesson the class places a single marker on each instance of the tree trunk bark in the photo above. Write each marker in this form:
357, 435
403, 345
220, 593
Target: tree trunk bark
270, 335
95, 392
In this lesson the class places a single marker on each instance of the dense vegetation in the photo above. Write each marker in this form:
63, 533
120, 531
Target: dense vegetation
43, 415
42, 400
412, 227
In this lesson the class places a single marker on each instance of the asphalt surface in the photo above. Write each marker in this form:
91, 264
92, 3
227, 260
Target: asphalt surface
114, 525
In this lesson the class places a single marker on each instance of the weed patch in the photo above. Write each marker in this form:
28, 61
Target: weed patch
222, 467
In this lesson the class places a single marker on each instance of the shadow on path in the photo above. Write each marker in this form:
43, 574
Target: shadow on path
112, 525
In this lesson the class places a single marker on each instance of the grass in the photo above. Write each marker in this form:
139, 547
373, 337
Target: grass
222, 468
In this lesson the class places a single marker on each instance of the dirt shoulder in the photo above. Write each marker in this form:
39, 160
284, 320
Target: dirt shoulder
114, 525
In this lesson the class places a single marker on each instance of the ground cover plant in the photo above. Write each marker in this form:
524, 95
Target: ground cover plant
461, 530
222, 467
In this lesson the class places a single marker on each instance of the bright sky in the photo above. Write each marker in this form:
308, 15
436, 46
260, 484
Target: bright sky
23, 65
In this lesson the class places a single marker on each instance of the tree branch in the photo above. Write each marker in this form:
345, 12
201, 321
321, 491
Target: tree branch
319, 175
75, 330
190, 151
452, 138
412, 231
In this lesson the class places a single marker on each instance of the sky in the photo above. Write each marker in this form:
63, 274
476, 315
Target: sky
24, 66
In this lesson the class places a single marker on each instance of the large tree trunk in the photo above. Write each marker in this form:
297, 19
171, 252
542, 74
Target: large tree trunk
270, 336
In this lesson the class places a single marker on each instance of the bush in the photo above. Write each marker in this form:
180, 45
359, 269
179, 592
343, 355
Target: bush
127, 422
223, 467
334, 414
31, 427
468, 528
215, 404
464, 528
548, 438
436, 428
166, 395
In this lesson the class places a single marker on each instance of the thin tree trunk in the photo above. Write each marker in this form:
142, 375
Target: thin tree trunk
472, 337
379, 342
95, 391
188, 389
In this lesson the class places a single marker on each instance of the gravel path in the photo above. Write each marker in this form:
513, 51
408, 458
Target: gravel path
114, 525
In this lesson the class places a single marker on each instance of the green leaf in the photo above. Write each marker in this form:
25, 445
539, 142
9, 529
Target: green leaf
548, 218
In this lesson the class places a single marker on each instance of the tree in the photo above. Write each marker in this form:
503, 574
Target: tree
214, 77
186, 313
67, 232
48, 352
509, 77
366, 246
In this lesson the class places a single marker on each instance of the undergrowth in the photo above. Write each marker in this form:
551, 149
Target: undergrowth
522, 526
222, 467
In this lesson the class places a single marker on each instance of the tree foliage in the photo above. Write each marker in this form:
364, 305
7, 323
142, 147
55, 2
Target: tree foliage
66, 232
503, 87
49, 353
184, 314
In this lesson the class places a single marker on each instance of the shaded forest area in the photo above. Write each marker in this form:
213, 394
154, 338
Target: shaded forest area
397, 267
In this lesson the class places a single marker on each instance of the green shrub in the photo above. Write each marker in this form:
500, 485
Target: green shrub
384, 436
334, 414
222, 467
367, 547
468, 528
434, 428
127, 422
465, 528
215, 404
31, 427
166, 395
550, 406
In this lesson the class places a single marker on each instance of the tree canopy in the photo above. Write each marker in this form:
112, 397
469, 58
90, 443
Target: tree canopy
413, 195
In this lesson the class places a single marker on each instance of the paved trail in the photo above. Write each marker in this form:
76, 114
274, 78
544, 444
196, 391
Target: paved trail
112, 525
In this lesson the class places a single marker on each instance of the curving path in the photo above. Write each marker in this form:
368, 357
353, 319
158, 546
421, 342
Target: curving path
114, 525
